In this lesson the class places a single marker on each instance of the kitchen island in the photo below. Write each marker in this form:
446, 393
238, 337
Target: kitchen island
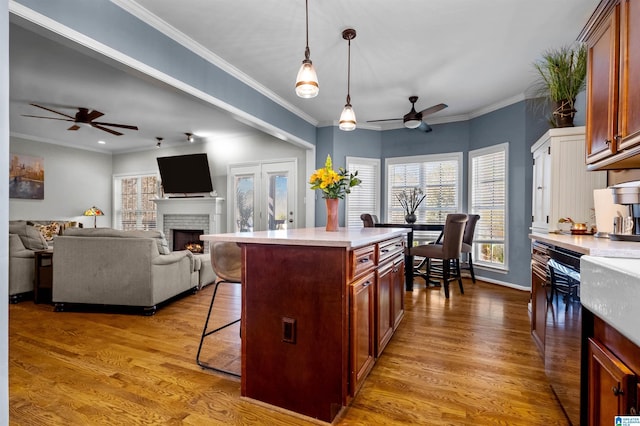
318, 308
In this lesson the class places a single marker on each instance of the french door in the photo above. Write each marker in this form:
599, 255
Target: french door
262, 196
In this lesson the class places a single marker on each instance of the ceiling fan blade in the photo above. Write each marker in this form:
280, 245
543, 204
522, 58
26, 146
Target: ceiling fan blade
74, 127
424, 127
48, 118
386, 119
53, 111
433, 109
113, 132
123, 126
93, 115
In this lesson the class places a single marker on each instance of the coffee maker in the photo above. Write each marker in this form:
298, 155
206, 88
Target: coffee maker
628, 228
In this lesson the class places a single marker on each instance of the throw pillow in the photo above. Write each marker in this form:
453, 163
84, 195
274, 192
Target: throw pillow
33, 239
163, 245
48, 231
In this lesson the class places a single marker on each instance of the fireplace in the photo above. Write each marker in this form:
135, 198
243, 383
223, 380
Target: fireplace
188, 239
189, 213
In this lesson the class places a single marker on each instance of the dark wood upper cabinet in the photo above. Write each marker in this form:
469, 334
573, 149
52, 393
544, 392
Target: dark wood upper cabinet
612, 36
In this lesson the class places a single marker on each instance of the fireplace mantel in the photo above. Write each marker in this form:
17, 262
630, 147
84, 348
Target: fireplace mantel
211, 206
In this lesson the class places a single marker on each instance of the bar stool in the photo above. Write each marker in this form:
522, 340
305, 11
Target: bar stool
226, 260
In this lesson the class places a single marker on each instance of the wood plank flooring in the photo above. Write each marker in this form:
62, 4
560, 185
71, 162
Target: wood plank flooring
469, 360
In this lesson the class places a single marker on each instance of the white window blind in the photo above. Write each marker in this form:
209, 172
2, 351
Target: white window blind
132, 201
438, 176
364, 198
488, 198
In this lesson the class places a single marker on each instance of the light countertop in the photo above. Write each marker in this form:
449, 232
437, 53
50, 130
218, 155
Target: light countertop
344, 237
610, 288
588, 244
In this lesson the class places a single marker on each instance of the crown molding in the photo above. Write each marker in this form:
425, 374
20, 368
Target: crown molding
170, 31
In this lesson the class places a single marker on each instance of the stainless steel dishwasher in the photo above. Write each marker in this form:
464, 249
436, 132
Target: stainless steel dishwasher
563, 338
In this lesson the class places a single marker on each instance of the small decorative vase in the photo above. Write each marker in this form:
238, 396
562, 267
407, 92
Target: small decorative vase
332, 214
410, 218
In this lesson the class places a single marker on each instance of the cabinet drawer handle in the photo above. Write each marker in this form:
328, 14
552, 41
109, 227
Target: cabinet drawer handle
616, 391
607, 142
366, 284
385, 250
365, 260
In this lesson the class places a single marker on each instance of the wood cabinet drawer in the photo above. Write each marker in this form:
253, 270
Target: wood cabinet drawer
362, 260
390, 248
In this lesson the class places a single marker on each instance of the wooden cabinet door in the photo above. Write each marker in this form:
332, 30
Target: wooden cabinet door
629, 106
361, 342
397, 311
383, 309
602, 88
611, 386
538, 308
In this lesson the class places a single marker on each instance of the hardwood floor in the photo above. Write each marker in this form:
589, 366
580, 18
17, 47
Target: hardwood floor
469, 360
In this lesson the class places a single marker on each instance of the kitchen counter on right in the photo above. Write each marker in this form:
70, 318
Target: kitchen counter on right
588, 244
609, 278
610, 288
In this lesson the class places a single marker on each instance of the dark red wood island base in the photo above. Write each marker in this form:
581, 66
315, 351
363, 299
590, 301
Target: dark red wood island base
317, 309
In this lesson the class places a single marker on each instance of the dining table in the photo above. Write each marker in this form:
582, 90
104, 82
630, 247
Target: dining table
408, 258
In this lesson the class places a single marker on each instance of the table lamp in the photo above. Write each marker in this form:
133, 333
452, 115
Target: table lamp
95, 212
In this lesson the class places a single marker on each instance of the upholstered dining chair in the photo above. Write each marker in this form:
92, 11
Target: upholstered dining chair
226, 260
448, 251
467, 243
369, 220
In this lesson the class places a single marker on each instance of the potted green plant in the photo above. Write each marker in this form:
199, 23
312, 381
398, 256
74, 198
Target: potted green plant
561, 76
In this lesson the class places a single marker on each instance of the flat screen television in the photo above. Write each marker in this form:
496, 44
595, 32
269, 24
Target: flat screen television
185, 175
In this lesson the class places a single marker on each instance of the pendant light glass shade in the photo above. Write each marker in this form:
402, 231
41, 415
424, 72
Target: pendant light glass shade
347, 119
307, 81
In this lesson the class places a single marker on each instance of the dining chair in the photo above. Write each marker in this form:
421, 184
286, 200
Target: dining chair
467, 243
226, 260
369, 220
448, 251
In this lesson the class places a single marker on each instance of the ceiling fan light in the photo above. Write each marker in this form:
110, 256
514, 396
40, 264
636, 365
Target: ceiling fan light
347, 119
307, 81
412, 124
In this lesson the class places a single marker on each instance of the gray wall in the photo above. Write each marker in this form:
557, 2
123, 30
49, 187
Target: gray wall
74, 180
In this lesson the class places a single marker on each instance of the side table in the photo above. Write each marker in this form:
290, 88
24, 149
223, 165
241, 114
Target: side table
43, 277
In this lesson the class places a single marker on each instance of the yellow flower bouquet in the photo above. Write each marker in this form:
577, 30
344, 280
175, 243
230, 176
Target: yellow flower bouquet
333, 184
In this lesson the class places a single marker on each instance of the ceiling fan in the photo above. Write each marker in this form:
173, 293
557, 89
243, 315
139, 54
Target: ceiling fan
84, 117
413, 119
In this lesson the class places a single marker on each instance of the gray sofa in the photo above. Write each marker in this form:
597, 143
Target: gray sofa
25, 238
103, 266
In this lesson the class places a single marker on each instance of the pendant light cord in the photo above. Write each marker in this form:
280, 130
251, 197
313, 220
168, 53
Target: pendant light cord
307, 52
349, 74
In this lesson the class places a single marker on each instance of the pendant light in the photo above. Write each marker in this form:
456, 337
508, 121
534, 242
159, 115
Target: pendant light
307, 80
348, 117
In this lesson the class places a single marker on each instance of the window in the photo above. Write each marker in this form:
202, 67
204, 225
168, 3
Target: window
364, 198
132, 201
488, 198
439, 177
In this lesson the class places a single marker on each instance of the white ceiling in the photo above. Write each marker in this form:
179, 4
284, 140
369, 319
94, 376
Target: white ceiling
472, 55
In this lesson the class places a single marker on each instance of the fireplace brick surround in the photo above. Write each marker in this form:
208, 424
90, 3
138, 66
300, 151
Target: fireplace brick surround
189, 213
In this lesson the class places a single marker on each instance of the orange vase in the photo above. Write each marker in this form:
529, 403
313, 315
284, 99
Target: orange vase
332, 214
